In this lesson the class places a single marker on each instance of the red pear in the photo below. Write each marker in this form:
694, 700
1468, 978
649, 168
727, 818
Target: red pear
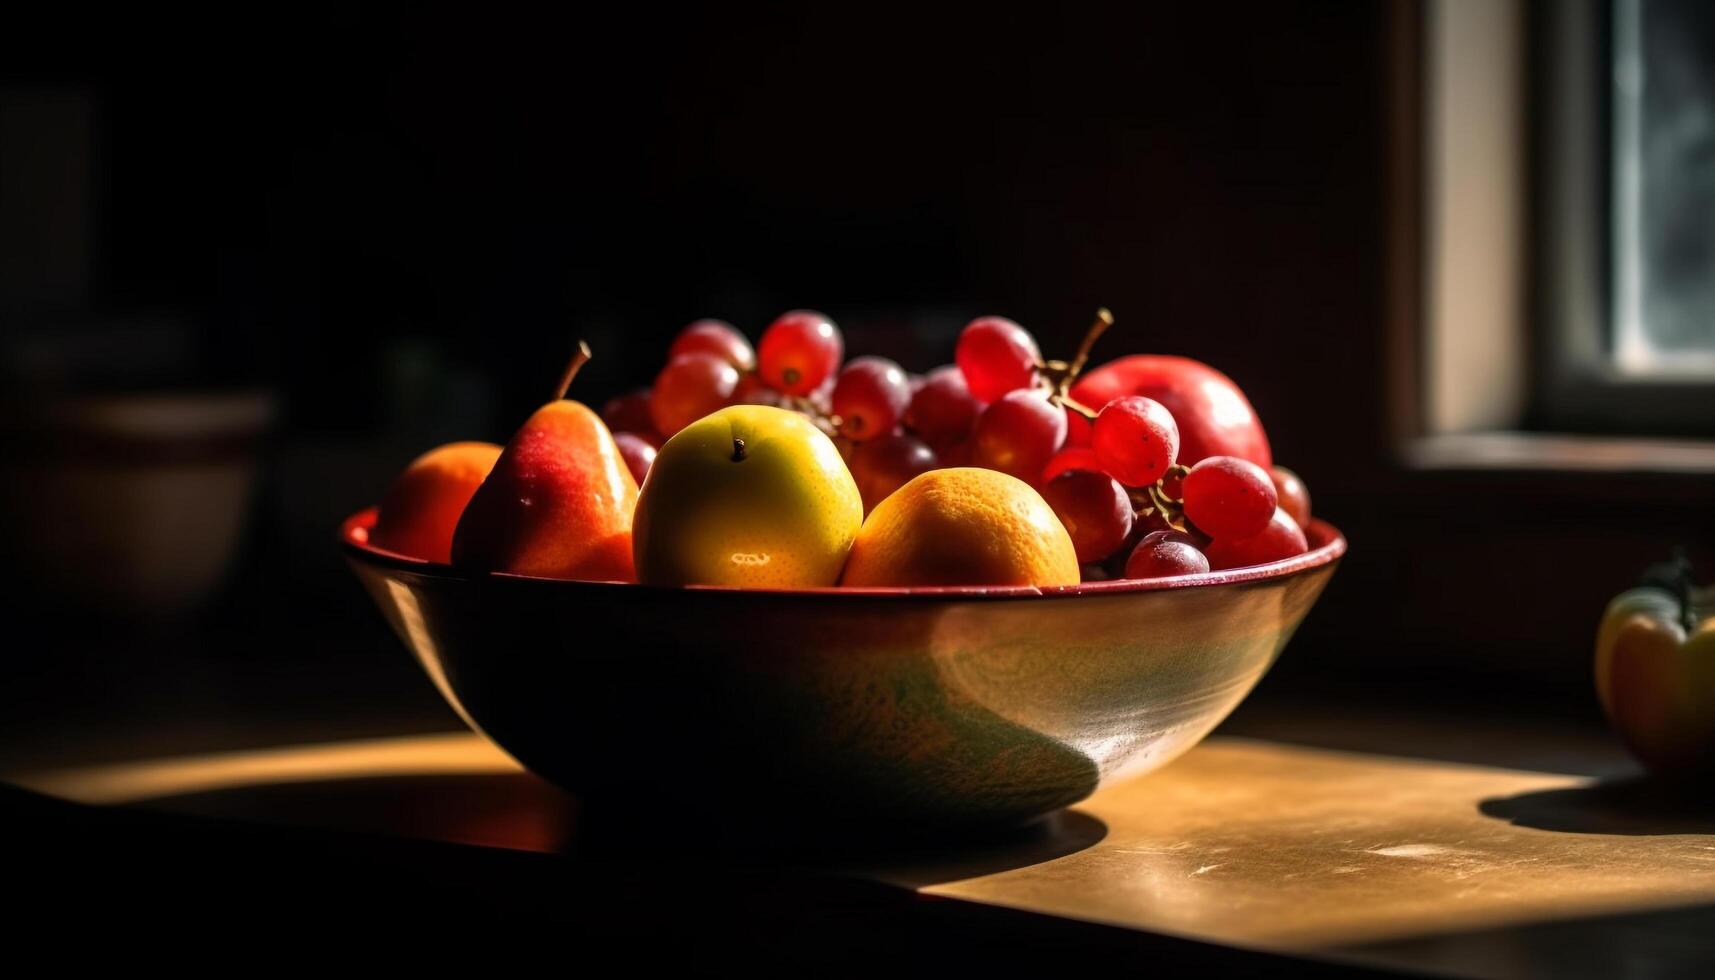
558, 502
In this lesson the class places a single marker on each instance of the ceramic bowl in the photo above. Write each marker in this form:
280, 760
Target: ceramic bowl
909, 709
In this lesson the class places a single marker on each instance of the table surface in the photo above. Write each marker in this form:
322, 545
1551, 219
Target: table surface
1362, 859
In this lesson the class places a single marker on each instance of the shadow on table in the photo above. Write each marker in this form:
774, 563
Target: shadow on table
1655, 943
518, 811
1635, 806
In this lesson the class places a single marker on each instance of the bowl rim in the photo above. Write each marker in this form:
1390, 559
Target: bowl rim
1327, 547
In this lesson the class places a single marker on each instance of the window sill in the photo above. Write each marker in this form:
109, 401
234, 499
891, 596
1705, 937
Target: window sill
1546, 452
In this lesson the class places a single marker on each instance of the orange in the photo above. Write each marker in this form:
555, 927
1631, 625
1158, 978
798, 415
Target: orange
421, 508
962, 526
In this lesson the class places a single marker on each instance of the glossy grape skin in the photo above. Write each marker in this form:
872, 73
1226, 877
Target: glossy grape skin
1070, 458
630, 413
996, 356
881, 466
1229, 497
716, 337
1078, 429
1094, 509
799, 352
1280, 538
1164, 554
870, 397
1213, 415
1018, 434
943, 411
1293, 494
689, 388
1136, 440
637, 452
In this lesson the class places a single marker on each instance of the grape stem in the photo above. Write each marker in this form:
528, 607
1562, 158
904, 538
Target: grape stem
580, 357
1078, 407
1104, 320
1154, 500
829, 424
1061, 374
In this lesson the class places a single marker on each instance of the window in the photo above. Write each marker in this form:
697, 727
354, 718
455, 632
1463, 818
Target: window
1663, 145
1622, 100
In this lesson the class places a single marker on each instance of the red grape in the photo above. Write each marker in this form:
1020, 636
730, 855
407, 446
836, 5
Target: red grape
996, 356
881, 466
799, 351
1093, 573
915, 380
1095, 510
1280, 538
1163, 554
1229, 497
688, 388
870, 397
1071, 458
1019, 434
1294, 495
1136, 440
752, 390
1077, 429
716, 337
629, 413
638, 454
943, 411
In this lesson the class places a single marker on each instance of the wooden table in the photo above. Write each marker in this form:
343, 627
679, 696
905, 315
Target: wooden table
1311, 855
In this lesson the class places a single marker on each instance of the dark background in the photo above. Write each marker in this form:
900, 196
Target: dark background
399, 222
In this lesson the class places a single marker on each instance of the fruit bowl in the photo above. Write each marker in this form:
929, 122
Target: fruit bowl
902, 710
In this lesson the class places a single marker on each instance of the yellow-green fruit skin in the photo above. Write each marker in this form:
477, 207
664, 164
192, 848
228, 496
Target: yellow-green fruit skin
782, 515
1656, 679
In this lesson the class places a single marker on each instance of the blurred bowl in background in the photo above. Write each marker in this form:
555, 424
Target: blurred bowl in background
132, 504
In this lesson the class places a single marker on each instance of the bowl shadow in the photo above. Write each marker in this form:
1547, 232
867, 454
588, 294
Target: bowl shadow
518, 811
1629, 806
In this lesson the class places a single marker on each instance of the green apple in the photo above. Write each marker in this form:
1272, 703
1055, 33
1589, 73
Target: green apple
749, 496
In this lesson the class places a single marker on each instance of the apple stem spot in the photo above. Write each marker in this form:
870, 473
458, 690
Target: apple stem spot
737, 450
579, 357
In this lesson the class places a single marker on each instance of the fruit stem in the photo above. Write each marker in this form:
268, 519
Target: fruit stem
1104, 320
579, 358
1165, 504
737, 450
1078, 407
1061, 374
1674, 576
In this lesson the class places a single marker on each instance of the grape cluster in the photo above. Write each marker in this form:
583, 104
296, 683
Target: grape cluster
1112, 475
